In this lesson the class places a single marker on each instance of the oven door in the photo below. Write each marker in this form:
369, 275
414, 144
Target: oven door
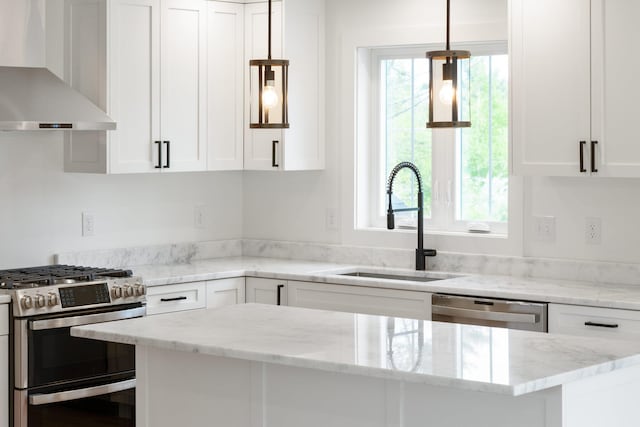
108, 403
47, 354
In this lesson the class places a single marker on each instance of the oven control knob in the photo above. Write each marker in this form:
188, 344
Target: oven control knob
52, 299
40, 301
26, 302
128, 290
116, 292
140, 289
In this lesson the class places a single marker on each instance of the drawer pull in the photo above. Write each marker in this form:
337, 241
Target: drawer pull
173, 299
602, 325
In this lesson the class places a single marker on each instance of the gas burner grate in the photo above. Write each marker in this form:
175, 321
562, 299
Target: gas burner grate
48, 275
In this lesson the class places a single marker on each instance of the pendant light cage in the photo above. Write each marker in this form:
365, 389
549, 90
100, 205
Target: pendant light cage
449, 86
269, 93
268, 88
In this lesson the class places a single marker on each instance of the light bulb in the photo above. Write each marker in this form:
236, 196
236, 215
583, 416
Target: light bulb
446, 92
269, 96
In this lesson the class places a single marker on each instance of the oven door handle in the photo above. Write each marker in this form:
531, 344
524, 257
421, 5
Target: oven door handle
493, 316
65, 396
67, 322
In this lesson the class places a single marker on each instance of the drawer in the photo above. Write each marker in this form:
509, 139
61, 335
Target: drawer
170, 298
594, 321
4, 319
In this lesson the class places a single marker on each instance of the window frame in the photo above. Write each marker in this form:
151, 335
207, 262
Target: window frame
445, 145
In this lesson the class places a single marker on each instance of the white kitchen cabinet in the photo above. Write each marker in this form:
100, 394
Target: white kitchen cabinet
360, 299
178, 297
153, 75
225, 100
224, 292
573, 82
297, 35
594, 321
266, 291
4, 365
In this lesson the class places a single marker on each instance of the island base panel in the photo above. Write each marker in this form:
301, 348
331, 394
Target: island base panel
178, 388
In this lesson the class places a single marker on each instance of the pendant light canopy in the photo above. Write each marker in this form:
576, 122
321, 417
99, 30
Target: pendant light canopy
449, 86
268, 80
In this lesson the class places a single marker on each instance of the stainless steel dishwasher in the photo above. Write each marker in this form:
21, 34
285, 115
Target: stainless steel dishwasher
529, 316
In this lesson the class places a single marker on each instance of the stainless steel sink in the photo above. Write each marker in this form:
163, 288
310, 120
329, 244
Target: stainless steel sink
396, 276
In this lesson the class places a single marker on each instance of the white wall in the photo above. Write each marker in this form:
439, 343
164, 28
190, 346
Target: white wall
41, 207
297, 203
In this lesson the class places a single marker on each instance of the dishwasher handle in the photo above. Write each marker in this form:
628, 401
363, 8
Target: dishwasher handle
494, 316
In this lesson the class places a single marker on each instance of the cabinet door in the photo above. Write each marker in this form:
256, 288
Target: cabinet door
4, 365
134, 29
225, 292
183, 92
360, 299
304, 142
262, 147
85, 62
615, 89
266, 291
225, 45
594, 321
4, 381
178, 297
550, 85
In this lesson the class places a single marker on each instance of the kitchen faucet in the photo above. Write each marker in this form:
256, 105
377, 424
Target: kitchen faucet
421, 252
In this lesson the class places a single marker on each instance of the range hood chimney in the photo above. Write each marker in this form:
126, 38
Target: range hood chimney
31, 96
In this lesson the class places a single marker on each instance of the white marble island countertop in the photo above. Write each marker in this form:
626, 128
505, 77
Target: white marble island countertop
476, 358
544, 290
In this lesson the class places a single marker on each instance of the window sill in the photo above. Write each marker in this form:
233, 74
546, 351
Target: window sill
433, 232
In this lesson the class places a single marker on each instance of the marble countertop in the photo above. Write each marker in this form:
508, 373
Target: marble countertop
468, 357
544, 290
5, 299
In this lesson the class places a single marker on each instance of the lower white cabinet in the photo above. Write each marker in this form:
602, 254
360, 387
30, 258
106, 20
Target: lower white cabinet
4, 365
266, 291
360, 299
225, 292
594, 321
179, 297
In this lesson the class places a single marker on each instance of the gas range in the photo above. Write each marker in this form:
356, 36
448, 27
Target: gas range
62, 288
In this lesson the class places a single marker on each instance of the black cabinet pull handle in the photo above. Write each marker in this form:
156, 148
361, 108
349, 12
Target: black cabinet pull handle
168, 143
159, 154
173, 299
582, 144
273, 154
602, 325
280, 287
593, 156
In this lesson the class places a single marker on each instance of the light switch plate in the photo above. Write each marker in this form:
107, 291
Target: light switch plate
544, 228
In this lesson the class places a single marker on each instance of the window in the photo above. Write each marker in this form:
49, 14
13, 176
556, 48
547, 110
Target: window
464, 171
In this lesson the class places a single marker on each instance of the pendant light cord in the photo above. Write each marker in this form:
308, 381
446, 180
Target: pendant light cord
269, 57
448, 21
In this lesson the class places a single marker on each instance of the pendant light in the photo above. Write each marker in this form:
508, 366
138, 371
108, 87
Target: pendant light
449, 78
268, 80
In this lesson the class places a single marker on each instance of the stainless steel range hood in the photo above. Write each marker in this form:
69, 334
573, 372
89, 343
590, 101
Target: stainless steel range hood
36, 99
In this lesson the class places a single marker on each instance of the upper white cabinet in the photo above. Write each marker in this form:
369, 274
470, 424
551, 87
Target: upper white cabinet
297, 35
225, 100
154, 75
573, 87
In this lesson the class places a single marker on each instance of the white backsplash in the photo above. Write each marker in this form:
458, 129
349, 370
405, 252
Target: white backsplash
588, 271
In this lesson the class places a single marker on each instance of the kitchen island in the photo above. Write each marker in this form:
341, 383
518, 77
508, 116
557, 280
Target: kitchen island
257, 365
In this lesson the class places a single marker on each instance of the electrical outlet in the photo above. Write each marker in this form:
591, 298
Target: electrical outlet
331, 219
593, 231
544, 228
88, 224
200, 217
